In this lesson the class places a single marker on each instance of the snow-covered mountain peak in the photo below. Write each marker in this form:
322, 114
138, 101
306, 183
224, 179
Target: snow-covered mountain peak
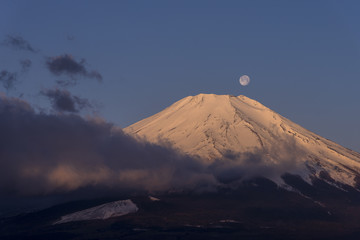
216, 126
208, 125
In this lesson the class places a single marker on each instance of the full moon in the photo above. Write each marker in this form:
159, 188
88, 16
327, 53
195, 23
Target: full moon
244, 80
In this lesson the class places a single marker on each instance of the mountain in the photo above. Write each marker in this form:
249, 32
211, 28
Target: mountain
214, 127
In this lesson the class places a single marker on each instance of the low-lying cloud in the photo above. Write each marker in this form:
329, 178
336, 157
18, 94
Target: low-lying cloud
271, 162
64, 101
67, 65
44, 154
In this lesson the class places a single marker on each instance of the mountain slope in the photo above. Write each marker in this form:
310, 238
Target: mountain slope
224, 127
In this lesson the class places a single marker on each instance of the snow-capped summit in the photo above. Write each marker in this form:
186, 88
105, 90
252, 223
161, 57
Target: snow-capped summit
218, 126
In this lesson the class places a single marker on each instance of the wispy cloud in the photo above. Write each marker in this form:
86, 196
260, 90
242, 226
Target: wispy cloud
18, 43
8, 79
70, 37
25, 65
67, 65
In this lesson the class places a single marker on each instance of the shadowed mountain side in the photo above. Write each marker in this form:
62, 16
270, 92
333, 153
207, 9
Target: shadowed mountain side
257, 209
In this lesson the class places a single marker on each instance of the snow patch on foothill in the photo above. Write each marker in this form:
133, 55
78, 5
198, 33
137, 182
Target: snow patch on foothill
104, 211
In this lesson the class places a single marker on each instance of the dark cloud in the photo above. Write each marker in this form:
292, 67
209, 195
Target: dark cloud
25, 65
44, 154
64, 101
8, 79
67, 65
47, 154
18, 43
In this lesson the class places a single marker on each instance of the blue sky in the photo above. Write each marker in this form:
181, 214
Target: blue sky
302, 56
